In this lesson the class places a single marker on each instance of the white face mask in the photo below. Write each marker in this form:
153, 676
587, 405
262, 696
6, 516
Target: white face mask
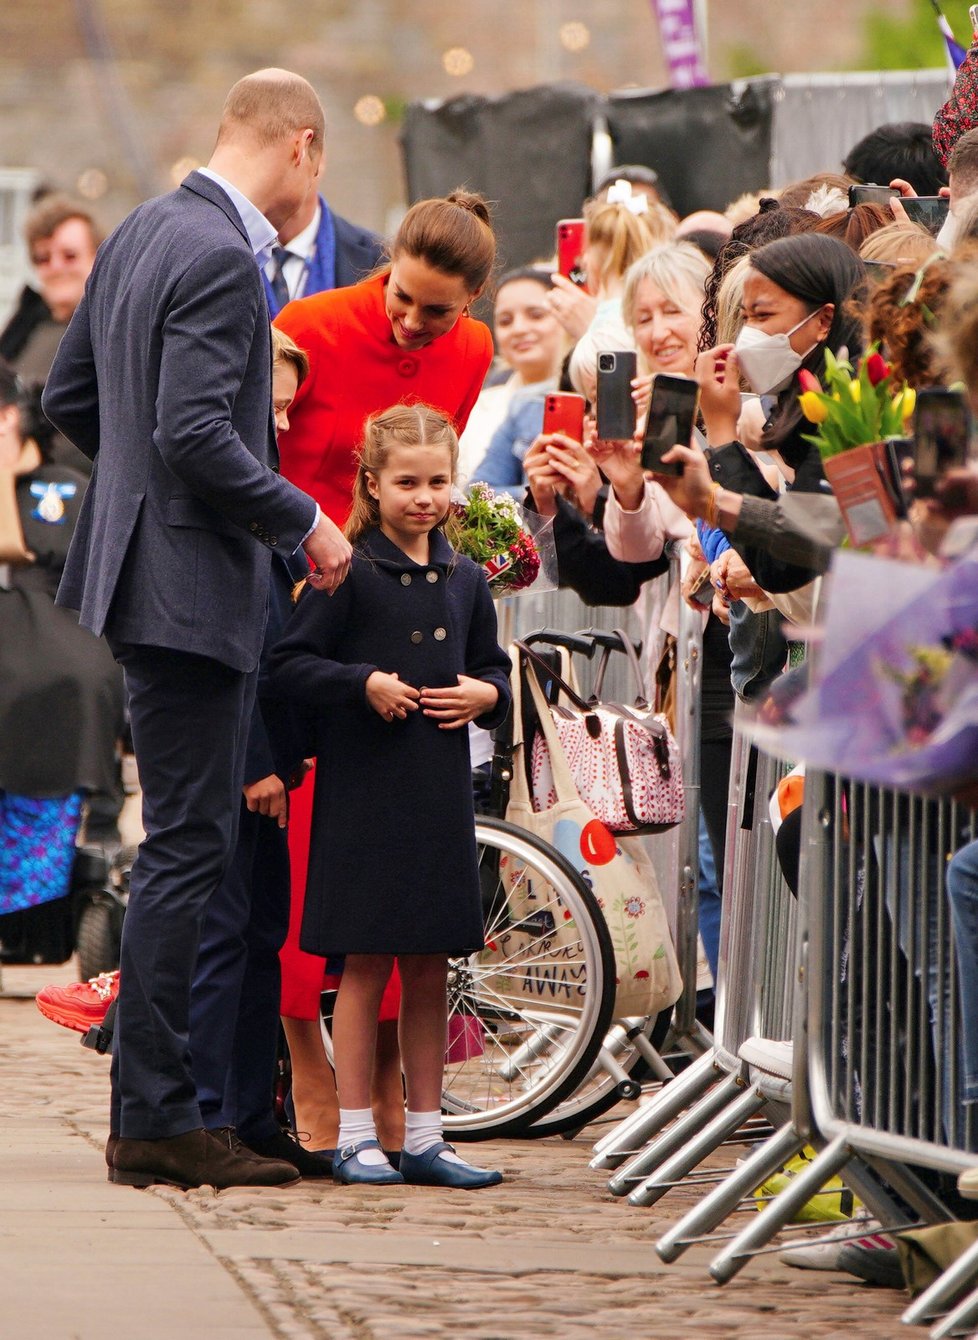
768, 361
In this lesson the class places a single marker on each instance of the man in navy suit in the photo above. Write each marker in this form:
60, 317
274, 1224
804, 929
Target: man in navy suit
318, 250
163, 379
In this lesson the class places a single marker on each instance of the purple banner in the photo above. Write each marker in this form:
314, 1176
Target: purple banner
680, 43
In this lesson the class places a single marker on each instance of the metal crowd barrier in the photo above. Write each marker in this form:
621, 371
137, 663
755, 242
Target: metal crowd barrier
675, 854
747, 1070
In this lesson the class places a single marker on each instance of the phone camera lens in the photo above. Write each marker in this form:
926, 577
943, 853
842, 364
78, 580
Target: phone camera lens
606, 362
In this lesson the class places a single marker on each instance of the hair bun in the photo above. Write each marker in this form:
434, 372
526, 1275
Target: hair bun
473, 202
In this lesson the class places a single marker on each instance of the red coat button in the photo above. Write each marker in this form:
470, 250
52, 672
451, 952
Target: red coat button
408, 367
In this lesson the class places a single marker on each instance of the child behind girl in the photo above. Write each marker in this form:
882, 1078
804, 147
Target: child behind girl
396, 664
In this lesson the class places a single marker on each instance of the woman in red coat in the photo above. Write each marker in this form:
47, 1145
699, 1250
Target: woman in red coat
404, 334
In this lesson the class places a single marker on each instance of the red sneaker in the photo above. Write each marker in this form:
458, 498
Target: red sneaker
79, 1005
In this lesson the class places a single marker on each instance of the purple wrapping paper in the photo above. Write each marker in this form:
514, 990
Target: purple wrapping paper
854, 718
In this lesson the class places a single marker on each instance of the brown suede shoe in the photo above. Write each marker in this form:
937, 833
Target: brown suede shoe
198, 1158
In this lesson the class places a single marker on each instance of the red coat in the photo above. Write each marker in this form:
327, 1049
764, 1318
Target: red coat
357, 369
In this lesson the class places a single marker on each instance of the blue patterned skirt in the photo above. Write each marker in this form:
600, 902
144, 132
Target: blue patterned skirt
37, 848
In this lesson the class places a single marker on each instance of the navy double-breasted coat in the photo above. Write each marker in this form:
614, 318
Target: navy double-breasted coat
392, 864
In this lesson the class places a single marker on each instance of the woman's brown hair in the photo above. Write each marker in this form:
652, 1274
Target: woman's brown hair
400, 426
903, 313
452, 234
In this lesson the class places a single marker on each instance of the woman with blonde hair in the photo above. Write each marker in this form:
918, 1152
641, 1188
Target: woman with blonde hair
617, 233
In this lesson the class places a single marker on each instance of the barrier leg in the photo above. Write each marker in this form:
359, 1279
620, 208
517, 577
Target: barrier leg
711, 1211
959, 1320
780, 1211
640, 1126
672, 1140
693, 1153
939, 1295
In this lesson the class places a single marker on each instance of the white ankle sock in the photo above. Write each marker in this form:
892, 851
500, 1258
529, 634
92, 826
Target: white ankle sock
357, 1124
421, 1131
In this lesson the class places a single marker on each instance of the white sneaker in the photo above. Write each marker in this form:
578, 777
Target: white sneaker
824, 1253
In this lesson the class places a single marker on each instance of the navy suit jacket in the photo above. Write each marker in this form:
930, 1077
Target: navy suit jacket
358, 252
163, 379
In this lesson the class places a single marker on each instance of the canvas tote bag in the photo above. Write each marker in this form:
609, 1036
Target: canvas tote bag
617, 869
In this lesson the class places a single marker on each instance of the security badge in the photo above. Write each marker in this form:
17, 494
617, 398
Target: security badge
50, 505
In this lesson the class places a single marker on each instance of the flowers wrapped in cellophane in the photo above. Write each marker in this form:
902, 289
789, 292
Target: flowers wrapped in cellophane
893, 697
515, 547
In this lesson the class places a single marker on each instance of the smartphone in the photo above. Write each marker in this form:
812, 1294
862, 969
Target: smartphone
929, 210
898, 450
942, 432
672, 418
870, 194
563, 412
616, 408
570, 251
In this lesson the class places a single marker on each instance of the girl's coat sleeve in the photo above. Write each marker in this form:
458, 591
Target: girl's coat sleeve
301, 667
484, 658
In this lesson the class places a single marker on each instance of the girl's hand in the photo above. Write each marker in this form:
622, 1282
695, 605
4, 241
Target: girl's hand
718, 374
543, 480
641, 395
268, 796
389, 697
460, 703
572, 307
575, 469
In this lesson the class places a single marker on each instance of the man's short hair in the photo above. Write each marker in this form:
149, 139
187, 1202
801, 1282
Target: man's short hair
900, 149
50, 212
963, 163
273, 104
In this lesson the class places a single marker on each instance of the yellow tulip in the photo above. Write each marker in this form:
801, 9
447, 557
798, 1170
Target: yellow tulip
906, 402
812, 407
856, 390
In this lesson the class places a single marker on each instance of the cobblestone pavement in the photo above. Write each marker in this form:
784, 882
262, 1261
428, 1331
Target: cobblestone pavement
548, 1253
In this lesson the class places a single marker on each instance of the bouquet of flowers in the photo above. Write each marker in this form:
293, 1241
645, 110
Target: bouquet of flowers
894, 699
490, 529
858, 407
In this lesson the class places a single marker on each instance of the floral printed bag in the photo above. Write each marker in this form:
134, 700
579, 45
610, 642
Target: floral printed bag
617, 869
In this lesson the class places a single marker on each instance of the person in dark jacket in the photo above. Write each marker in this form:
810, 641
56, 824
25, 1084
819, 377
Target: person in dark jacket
396, 663
61, 694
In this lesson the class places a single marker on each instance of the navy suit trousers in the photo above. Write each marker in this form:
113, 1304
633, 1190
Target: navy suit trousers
236, 992
190, 717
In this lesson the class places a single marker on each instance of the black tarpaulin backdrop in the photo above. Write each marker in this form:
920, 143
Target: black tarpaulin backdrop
708, 145
530, 152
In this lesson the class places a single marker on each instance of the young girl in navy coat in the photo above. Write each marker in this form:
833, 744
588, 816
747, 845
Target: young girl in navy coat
396, 664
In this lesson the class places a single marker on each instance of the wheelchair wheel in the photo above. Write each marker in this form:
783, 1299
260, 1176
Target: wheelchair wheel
97, 942
529, 1012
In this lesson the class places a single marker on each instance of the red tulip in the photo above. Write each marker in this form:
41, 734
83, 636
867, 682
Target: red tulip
877, 368
808, 381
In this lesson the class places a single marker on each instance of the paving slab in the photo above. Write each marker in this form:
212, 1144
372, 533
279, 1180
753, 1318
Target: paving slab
549, 1253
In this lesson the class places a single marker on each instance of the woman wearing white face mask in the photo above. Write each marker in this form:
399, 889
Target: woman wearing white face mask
796, 299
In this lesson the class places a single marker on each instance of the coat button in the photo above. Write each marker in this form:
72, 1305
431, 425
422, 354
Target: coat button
254, 526
408, 367
431, 576
417, 635
405, 579
440, 635
273, 540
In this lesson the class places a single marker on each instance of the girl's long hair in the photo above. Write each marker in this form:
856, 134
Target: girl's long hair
415, 425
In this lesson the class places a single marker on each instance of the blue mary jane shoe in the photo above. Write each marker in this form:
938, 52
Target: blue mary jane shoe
428, 1169
348, 1168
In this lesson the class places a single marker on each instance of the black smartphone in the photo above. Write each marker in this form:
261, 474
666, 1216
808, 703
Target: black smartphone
869, 193
898, 451
928, 210
942, 433
616, 408
672, 418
